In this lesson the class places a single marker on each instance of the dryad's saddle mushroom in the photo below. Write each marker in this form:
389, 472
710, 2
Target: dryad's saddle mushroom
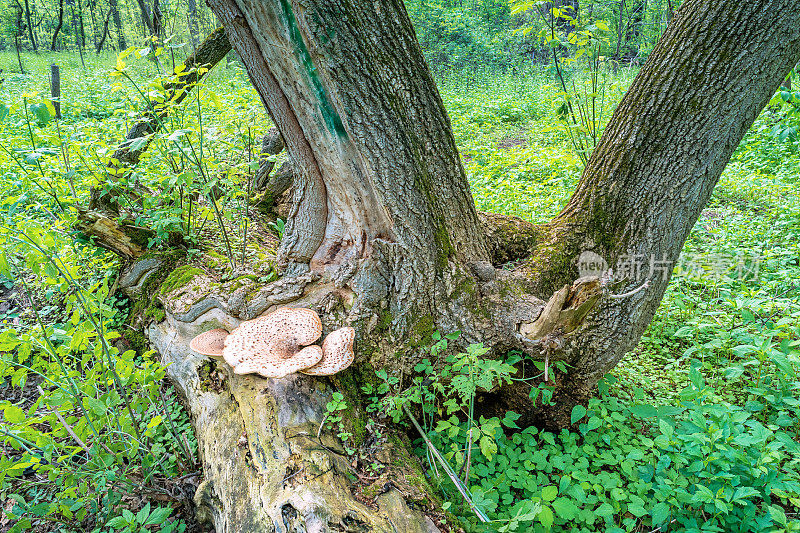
337, 353
210, 343
280, 343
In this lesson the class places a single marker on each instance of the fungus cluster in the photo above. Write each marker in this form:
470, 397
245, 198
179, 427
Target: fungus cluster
280, 343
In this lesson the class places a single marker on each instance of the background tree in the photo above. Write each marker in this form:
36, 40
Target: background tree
115, 15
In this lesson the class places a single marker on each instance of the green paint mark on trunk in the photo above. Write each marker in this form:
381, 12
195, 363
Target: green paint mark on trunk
332, 119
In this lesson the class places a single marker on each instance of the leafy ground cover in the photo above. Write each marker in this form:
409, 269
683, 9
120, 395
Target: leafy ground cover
695, 431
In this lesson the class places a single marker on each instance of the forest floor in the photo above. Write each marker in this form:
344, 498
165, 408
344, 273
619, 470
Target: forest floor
709, 394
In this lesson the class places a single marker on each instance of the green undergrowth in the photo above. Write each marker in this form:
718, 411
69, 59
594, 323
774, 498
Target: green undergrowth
696, 430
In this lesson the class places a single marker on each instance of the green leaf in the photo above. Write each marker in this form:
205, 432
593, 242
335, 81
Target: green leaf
488, 447
546, 517
549, 493
565, 509
660, 513
777, 514
117, 522
578, 412
14, 414
158, 516
97, 407
604, 510
41, 113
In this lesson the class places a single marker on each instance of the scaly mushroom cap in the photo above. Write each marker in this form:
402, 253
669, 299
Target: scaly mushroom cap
270, 366
210, 343
272, 345
337, 353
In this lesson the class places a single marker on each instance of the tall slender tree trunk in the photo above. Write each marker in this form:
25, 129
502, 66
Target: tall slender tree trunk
78, 35
191, 16
121, 43
58, 27
92, 4
104, 33
147, 19
29, 23
82, 34
384, 236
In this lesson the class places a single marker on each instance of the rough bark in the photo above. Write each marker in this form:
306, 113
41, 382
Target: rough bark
378, 179
656, 165
384, 235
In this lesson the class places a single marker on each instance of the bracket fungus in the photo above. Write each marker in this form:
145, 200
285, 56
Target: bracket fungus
280, 343
273, 345
210, 343
337, 353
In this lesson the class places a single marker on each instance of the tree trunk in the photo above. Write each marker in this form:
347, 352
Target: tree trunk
655, 167
58, 25
102, 41
146, 18
157, 19
29, 23
128, 241
121, 43
384, 236
191, 16
80, 25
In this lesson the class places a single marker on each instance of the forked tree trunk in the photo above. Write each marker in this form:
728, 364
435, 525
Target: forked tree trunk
384, 234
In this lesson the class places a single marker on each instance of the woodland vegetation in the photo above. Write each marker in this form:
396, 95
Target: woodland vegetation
157, 198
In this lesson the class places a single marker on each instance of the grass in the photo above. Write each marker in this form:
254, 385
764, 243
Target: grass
720, 356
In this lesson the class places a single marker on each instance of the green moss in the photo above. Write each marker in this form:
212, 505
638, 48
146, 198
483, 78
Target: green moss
354, 417
204, 375
183, 275
403, 461
156, 312
137, 340
217, 259
384, 321
145, 304
422, 330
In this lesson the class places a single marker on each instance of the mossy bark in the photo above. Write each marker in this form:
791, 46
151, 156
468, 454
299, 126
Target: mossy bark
384, 235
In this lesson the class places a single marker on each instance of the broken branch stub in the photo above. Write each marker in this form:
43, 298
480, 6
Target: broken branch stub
566, 309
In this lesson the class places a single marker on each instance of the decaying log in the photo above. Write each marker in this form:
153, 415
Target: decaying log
267, 465
126, 240
98, 220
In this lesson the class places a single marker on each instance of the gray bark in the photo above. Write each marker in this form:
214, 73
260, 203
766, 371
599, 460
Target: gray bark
384, 231
658, 161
